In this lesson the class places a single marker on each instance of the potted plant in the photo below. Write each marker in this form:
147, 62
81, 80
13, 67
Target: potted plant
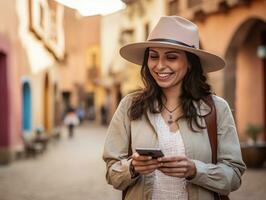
253, 132
254, 152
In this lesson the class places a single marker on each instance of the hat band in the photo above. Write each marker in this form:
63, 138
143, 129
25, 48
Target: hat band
172, 41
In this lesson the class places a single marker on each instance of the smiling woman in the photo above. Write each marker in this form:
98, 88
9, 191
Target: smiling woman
94, 7
168, 113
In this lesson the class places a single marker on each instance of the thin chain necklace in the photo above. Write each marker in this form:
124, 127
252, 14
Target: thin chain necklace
170, 120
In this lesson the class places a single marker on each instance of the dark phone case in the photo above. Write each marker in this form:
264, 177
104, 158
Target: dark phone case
154, 153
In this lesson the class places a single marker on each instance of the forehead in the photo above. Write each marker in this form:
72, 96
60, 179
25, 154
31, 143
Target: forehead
163, 49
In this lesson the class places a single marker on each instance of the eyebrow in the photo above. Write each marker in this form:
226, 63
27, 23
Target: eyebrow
171, 51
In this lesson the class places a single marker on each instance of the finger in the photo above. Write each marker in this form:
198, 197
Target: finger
146, 172
179, 175
173, 170
139, 157
144, 163
146, 168
136, 156
177, 164
172, 158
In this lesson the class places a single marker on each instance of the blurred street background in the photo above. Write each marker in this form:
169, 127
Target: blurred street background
72, 169
60, 63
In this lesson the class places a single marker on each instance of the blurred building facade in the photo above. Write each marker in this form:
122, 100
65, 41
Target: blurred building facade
79, 78
31, 51
125, 26
233, 29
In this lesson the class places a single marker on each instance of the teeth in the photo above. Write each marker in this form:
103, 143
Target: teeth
163, 75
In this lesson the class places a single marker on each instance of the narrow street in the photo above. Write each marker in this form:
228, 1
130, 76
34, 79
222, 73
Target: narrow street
72, 169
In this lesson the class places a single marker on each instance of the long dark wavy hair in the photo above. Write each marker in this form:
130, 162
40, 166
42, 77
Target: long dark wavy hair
194, 87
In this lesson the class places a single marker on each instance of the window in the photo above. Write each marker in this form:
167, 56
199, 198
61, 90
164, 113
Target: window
172, 7
93, 59
192, 3
147, 30
41, 23
126, 36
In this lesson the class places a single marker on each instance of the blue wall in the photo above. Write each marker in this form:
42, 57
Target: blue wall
26, 107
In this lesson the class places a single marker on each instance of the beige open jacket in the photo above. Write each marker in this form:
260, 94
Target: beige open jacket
223, 177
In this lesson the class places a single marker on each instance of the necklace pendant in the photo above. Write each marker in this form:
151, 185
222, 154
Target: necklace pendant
170, 121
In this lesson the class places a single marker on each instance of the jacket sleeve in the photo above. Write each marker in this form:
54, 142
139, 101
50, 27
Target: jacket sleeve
116, 148
225, 176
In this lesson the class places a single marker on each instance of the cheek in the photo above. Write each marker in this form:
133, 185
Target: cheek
150, 64
183, 67
184, 70
181, 72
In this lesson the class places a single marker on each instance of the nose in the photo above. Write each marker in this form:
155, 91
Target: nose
161, 64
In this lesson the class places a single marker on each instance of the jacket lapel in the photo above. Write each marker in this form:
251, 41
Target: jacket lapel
187, 134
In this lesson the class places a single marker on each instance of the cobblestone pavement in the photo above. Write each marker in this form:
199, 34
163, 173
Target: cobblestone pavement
72, 169
253, 186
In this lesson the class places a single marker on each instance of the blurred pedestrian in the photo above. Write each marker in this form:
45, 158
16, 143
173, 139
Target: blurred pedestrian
80, 113
168, 113
71, 120
104, 115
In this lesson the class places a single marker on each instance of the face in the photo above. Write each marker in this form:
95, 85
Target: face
168, 66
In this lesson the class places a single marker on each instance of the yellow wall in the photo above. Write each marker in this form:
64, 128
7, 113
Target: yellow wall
134, 17
80, 34
92, 83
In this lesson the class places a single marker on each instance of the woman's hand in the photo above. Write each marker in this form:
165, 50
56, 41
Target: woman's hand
178, 166
144, 164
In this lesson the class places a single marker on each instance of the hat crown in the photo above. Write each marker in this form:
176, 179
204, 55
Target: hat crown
176, 28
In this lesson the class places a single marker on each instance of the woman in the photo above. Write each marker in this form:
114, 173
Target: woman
169, 113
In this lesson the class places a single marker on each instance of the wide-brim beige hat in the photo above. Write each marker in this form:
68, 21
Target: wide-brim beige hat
173, 32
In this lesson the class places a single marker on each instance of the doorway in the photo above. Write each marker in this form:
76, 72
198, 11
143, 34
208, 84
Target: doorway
245, 83
26, 107
4, 107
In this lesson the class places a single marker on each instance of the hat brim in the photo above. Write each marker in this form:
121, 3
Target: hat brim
135, 53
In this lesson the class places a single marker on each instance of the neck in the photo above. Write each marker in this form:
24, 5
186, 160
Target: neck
172, 96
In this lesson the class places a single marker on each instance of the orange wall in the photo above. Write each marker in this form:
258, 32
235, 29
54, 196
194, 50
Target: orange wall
249, 87
217, 31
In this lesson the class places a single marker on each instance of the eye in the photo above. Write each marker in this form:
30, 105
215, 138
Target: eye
153, 56
172, 56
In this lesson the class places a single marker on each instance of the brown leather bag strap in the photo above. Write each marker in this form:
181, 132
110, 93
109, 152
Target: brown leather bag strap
211, 124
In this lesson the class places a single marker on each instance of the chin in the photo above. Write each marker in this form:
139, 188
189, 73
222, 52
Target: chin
165, 85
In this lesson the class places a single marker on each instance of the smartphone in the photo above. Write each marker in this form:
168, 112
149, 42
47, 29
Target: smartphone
153, 152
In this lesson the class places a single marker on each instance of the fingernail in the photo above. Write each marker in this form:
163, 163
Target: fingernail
159, 159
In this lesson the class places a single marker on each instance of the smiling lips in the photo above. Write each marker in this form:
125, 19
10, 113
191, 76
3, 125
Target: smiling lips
163, 76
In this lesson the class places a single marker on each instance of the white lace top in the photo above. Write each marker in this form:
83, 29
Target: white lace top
167, 187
